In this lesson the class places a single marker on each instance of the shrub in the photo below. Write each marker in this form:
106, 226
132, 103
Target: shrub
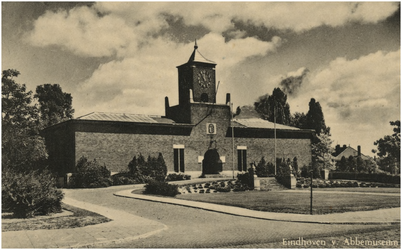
178, 177
123, 178
90, 175
246, 180
378, 177
31, 193
161, 188
265, 169
142, 171
223, 189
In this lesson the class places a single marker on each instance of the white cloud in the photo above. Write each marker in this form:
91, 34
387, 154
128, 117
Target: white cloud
109, 28
83, 32
358, 97
144, 79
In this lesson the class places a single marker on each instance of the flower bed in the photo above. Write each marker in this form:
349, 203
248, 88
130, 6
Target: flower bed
213, 187
305, 183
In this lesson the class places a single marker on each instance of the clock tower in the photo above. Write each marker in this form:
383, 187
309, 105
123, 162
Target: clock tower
197, 94
197, 79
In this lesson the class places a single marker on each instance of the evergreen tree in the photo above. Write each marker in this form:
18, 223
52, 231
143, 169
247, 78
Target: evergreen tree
275, 105
315, 118
298, 120
343, 164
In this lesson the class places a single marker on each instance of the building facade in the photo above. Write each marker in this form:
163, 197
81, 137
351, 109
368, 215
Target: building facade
196, 130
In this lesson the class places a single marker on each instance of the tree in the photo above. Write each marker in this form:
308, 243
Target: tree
298, 120
343, 164
321, 153
54, 105
22, 147
389, 149
275, 105
315, 118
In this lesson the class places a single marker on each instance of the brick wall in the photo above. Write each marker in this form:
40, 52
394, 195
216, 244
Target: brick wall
117, 150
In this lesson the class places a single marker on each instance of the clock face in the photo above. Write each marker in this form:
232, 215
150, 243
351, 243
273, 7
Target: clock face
204, 78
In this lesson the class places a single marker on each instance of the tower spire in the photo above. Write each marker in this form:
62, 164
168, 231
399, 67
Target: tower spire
195, 44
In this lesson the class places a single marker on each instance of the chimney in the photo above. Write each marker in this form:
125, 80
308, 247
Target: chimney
337, 149
359, 151
167, 106
227, 98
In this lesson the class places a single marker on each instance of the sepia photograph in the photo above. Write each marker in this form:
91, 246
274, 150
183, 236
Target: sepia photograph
201, 124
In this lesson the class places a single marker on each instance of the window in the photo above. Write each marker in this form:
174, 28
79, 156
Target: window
178, 151
242, 158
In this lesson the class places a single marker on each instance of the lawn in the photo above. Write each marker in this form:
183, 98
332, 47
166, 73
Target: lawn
360, 189
79, 218
298, 202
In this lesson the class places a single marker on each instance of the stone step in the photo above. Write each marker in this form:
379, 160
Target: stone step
270, 184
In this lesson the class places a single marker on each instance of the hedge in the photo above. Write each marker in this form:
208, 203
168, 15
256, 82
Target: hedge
161, 188
380, 177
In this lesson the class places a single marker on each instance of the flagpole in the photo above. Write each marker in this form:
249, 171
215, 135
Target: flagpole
275, 134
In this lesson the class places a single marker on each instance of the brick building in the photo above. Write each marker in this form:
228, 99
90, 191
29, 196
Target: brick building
196, 130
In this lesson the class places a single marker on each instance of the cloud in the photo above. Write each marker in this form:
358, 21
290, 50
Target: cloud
84, 32
115, 28
293, 81
358, 97
138, 84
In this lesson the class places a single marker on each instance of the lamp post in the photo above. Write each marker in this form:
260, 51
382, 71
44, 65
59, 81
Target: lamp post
311, 191
233, 147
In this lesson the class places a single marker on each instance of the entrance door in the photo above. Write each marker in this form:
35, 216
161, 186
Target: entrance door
212, 163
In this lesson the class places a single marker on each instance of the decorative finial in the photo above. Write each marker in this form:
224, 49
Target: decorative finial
195, 45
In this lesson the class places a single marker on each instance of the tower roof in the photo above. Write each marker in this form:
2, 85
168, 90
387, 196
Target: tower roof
196, 56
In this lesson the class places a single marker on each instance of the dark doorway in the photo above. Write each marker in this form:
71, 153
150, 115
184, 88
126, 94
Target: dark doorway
204, 97
212, 163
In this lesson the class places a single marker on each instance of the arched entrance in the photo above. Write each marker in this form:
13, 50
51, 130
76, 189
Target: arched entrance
212, 163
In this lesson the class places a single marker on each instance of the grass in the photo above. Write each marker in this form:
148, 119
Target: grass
359, 189
80, 218
298, 202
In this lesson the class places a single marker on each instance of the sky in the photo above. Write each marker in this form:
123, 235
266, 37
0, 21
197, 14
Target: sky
121, 56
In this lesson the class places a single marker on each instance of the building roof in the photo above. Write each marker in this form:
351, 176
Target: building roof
154, 119
196, 56
349, 151
260, 123
124, 117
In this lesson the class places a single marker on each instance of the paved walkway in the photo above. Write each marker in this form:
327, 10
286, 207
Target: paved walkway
126, 227
123, 227
381, 216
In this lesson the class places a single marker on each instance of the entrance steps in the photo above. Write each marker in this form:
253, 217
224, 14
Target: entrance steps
270, 184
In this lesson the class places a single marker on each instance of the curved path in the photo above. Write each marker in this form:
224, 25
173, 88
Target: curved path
124, 227
381, 216
144, 224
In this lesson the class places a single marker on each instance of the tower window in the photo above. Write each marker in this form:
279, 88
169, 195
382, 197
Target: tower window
204, 97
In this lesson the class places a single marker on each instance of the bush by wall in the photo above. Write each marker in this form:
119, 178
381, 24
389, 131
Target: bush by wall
161, 188
29, 194
178, 177
142, 171
265, 169
246, 180
377, 177
123, 178
90, 175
